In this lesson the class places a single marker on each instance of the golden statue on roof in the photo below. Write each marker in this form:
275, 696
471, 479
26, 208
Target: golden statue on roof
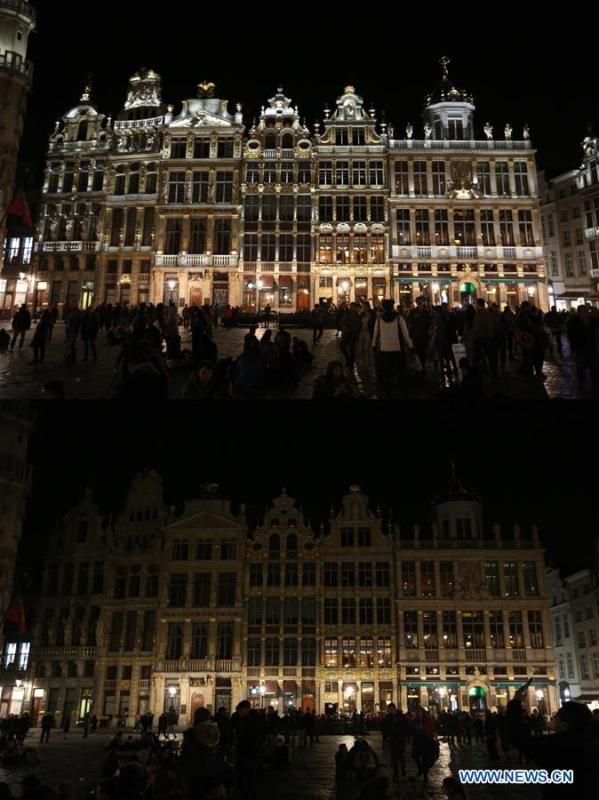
206, 89
349, 90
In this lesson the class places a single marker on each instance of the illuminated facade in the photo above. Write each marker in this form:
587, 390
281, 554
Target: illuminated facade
17, 22
157, 610
570, 212
194, 207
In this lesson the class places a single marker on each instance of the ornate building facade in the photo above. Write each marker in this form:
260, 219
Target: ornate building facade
17, 22
194, 207
161, 610
570, 213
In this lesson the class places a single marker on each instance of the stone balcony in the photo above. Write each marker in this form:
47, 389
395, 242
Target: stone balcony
185, 260
198, 665
451, 253
68, 247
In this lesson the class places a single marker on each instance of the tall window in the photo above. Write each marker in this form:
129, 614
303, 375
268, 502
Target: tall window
516, 631
382, 573
376, 170
325, 208
427, 579
473, 629
224, 640
377, 208
492, 578
439, 181
506, 228
450, 631
289, 652
410, 629
342, 173
527, 237
177, 590
331, 653
343, 207
148, 227
420, 178
254, 652
272, 651
429, 629
510, 577
366, 611
403, 226
179, 148
463, 221
383, 611
330, 611
496, 629
441, 227
383, 653
408, 579
200, 187
325, 173
222, 236
502, 175
446, 571
117, 227
360, 209
348, 611
535, 629
366, 654
199, 640
483, 169
364, 574
197, 242
227, 583
176, 187
148, 631
349, 653
529, 573
422, 227
487, 227
225, 148
521, 178
402, 180
224, 187
172, 243
348, 574
359, 173
174, 640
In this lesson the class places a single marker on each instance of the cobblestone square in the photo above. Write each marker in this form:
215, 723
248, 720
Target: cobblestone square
88, 380
311, 775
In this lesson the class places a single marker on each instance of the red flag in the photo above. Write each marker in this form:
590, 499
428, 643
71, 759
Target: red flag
16, 614
19, 208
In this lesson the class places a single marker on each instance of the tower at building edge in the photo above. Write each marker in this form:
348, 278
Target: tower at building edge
156, 609
195, 204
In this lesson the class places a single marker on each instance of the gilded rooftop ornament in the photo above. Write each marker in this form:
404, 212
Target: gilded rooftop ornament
206, 89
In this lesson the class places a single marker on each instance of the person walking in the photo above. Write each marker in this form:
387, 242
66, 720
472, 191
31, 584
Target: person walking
391, 340
317, 324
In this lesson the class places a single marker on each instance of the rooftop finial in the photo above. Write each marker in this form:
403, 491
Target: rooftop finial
87, 91
445, 61
206, 89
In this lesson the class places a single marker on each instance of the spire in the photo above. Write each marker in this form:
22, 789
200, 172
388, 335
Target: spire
87, 91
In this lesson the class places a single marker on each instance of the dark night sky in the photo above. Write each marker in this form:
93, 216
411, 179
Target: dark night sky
529, 463
519, 67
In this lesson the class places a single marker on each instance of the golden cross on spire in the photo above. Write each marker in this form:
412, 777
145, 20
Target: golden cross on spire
445, 62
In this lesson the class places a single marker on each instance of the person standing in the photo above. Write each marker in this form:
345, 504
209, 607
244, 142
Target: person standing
394, 729
390, 340
41, 337
66, 724
21, 323
483, 338
89, 333
317, 324
47, 725
248, 735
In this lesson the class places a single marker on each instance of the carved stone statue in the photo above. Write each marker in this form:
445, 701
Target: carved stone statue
150, 141
488, 130
526, 132
508, 131
409, 130
122, 144
470, 584
428, 131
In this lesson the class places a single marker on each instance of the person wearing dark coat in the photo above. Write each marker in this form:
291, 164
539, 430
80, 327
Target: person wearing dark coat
47, 725
571, 747
89, 332
41, 337
248, 735
395, 730
21, 323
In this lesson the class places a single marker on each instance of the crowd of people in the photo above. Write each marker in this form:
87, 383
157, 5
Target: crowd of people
227, 756
458, 348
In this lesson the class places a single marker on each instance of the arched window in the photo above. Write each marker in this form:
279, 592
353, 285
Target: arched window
292, 544
119, 181
270, 141
287, 141
82, 132
274, 544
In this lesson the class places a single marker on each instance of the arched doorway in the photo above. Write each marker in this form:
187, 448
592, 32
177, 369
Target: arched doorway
468, 292
477, 698
197, 701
